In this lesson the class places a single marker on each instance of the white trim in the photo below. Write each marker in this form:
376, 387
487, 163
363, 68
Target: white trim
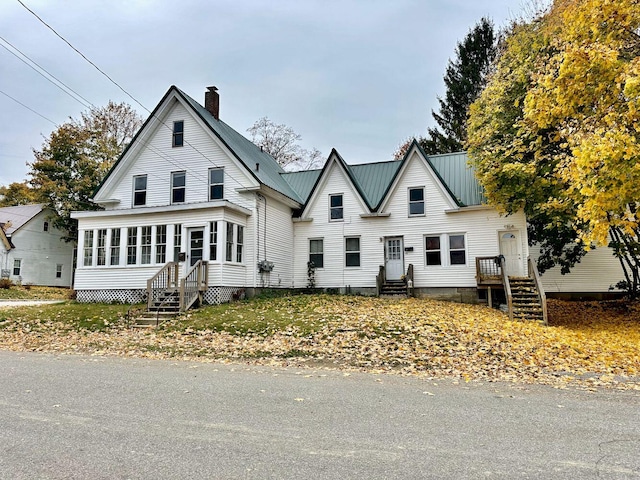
322, 184
434, 177
162, 209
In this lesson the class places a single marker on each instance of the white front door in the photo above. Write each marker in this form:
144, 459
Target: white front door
195, 249
394, 258
511, 249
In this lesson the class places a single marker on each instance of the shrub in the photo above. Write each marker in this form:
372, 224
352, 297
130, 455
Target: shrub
5, 283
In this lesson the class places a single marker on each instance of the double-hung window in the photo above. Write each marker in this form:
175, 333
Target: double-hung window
457, 252
161, 243
132, 245
59, 270
178, 134
216, 183
239, 243
416, 201
115, 247
352, 251
213, 241
87, 250
17, 265
101, 251
336, 209
229, 251
434, 256
178, 187
316, 252
177, 241
145, 244
139, 190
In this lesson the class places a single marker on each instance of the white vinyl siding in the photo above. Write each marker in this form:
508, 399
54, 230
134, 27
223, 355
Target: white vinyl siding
479, 226
157, 159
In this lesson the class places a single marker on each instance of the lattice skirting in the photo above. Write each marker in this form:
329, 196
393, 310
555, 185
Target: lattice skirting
112, 296
213, 295
216, 295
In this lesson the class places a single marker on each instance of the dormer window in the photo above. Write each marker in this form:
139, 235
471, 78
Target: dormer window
139, 190
178, 133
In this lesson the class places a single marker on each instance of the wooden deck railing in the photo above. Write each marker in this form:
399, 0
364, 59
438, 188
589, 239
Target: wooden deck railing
533, 273
409, 280
193, 284
507, 286
166, 279
489, 270
380, 280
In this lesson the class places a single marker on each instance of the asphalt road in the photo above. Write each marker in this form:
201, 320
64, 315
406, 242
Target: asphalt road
68, 417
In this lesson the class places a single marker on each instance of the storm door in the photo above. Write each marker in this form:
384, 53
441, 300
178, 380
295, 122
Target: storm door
394, 258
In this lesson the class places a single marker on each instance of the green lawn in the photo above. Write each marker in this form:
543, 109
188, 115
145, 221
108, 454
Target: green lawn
26, 292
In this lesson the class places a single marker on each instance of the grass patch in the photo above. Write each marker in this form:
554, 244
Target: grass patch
259, 316
62, 317
31, 292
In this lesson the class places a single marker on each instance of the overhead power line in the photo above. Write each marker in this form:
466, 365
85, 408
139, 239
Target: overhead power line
28, 108
60, 84
120, 87
82, 55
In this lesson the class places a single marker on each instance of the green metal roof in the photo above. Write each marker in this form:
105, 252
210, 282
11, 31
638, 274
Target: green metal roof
459, 177
302, 182
373, 180
269, 171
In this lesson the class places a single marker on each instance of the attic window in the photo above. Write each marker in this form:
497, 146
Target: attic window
336, 211
46, 226
416, 201
178, 133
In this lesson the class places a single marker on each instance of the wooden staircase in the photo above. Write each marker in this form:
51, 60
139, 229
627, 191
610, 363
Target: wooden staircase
163, 308
526, 302
394, 288
168, 295
525, 296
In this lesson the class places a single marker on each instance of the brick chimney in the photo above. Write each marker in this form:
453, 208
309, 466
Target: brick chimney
212, 102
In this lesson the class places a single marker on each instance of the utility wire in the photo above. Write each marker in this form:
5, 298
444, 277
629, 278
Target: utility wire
117, 85
82, 55
28, 108
69, 91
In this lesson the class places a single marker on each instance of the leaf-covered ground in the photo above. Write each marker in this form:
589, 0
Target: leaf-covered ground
27, 292
587, 343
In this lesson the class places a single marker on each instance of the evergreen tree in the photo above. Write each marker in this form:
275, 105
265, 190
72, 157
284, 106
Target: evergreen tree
464, 79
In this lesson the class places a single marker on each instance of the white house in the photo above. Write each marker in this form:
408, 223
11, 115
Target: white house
32, 250
190, 189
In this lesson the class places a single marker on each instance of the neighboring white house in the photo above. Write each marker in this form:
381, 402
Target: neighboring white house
32, 250
190, 188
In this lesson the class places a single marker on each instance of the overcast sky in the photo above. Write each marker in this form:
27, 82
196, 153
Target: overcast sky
357, 75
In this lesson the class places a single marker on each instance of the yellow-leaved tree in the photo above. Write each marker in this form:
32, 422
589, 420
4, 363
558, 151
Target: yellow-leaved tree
556, 131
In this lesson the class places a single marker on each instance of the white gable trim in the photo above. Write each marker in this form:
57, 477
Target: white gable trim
333, 162
413, 153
